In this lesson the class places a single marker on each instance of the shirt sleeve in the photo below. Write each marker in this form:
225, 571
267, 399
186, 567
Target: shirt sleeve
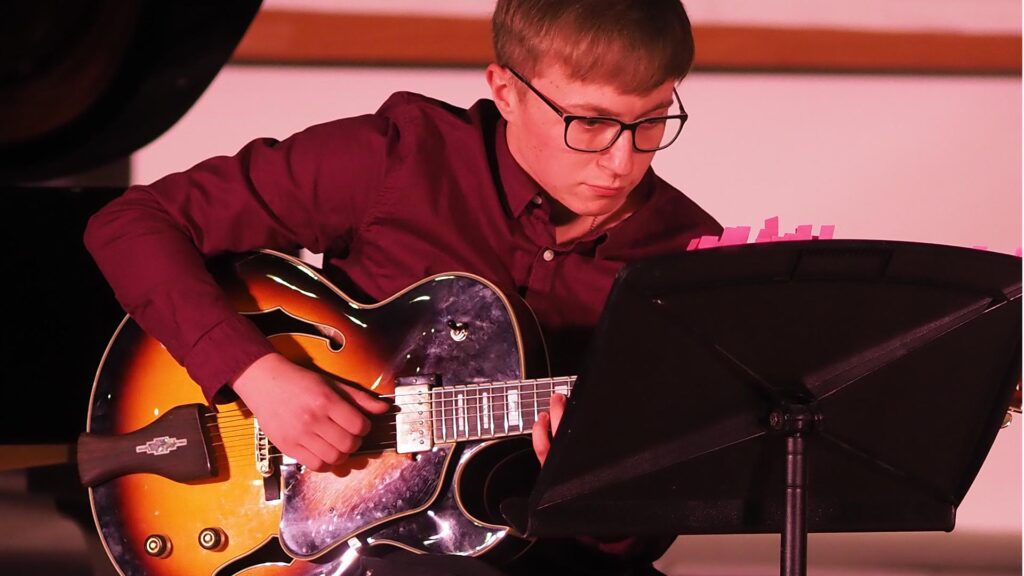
313, 190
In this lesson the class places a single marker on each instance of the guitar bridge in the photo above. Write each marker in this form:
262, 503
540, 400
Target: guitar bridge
413, 419
263, 464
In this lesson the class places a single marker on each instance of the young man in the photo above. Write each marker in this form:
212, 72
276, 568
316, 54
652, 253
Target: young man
546, 191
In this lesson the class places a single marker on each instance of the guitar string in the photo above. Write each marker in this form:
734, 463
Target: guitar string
238, 443
568, 380
248, 453
477, 401
245, 436
538, 400
228, 415
243, 456
236, 414
242, 438
245, 433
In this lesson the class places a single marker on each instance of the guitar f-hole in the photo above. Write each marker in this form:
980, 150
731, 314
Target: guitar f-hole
278, 321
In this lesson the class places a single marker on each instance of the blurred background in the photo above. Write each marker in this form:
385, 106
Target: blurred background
890, 119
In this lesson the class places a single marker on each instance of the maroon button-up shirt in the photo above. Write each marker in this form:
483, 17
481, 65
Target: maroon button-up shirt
418, 188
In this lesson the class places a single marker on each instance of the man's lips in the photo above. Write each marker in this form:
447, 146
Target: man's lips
605, 190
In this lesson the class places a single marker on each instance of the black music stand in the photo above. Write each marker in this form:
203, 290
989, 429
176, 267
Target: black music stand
822, 386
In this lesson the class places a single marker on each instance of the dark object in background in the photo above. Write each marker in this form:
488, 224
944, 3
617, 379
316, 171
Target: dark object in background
83, 84
60, 313
87, 82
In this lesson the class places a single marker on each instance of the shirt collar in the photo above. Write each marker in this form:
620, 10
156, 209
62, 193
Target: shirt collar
520, 187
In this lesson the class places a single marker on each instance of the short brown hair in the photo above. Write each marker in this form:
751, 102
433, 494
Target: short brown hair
634, 45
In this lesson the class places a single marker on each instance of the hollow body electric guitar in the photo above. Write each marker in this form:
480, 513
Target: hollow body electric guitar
179, 486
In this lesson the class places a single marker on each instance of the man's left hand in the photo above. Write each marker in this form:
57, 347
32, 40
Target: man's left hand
546, 425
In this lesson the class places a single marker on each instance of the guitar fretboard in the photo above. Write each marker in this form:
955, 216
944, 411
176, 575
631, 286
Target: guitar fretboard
492, 410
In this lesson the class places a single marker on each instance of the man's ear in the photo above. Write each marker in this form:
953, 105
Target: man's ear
503, 90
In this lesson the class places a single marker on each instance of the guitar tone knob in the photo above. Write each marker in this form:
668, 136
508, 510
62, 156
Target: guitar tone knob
212, 538
158, 546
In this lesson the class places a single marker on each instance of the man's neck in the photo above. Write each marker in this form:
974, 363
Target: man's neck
570, 226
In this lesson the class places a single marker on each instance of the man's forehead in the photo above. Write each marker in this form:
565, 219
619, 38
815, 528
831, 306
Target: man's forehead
594, 108
582, 96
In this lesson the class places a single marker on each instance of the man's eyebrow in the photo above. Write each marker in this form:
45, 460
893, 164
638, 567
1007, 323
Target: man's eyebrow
596, 110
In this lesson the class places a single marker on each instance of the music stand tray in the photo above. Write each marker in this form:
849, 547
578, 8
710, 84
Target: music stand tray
822, 386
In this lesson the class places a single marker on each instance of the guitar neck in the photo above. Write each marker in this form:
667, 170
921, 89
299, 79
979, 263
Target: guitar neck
493, 409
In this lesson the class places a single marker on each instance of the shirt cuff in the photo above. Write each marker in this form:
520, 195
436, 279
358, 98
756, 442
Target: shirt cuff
225, 352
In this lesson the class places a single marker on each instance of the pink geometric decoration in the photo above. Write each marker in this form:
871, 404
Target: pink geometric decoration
734, 235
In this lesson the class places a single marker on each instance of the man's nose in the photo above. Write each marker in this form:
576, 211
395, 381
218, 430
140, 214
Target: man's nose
620, 157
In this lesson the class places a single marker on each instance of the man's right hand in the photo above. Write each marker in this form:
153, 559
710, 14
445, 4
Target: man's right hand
315, 420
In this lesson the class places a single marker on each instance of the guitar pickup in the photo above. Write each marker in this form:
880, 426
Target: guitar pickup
413, 418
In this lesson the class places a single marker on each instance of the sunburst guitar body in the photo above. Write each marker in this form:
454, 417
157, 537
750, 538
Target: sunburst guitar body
179, 486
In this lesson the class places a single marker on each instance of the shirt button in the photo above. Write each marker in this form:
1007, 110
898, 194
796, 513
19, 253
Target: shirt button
548, 255
538, 199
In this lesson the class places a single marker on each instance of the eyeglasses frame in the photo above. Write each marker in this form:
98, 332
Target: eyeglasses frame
623, 126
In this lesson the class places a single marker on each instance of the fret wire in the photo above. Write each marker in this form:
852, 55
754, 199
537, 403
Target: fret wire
490, 411
504, 412
481, 415
479, 430
457, 412
455, 416
469, 418
464, 415
444, 418
444, 411
444, 428
536, 415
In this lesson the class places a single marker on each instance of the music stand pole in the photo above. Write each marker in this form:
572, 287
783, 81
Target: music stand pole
795, 420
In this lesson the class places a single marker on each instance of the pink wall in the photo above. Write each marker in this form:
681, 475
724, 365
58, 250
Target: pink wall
925, 158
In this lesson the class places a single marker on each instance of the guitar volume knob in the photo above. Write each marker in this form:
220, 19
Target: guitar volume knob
158, 546
212, 538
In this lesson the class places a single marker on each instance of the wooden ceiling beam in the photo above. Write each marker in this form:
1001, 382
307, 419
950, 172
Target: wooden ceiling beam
325, 38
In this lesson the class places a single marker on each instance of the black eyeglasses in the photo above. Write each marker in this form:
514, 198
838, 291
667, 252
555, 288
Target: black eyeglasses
599, 133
